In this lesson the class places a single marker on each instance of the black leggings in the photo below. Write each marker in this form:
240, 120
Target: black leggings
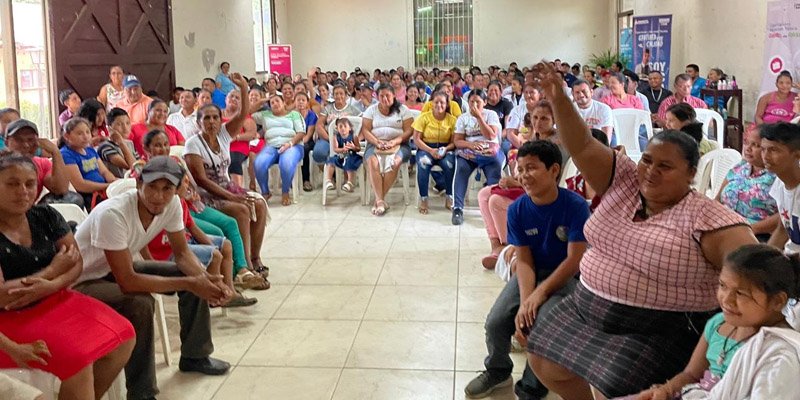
307, 147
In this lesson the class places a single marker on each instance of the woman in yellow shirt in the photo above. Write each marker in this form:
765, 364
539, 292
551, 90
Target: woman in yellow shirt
447, 88
433, 136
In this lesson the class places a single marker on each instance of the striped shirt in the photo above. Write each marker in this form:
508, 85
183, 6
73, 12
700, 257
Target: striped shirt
669, 101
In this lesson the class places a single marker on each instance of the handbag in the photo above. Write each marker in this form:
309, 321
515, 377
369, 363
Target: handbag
509, 193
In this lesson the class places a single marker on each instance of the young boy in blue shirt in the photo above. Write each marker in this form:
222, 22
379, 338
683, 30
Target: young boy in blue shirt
545, 226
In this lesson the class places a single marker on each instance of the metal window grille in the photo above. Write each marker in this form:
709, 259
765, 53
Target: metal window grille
443, 34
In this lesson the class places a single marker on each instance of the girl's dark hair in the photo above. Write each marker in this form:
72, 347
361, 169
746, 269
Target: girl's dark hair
115, 113
600, 136
70, 126
148, 138
9, 158
415, 86
156, 101
695, 130
767, 268
526, 120
441, 93
477, 92
782, 74
688, 146
202, 111
395, 107
63, 96
683, 112
344, 120
545, 104
495, 83
89, 110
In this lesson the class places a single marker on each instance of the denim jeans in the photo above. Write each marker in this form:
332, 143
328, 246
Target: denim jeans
424, 164
500, 327
287, 162
491, 166
322, 150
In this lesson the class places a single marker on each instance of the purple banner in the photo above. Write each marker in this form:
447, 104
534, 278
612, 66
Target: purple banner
653, 33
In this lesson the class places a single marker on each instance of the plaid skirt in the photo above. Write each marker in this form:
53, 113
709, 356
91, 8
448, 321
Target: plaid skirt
617, 348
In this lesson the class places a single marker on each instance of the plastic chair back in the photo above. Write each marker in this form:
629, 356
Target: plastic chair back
627, 122
724, 160
120, 186
570, 170
706, 116
355, 121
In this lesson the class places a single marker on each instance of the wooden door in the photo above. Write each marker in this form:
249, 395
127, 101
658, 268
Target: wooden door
90, 36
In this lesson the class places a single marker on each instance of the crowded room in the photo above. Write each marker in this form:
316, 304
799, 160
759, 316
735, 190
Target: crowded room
399, 200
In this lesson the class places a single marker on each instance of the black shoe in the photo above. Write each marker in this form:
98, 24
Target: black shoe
525, 393
206, 366
458, 216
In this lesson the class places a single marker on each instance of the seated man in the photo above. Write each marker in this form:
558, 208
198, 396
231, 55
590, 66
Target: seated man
545, 226
110, 241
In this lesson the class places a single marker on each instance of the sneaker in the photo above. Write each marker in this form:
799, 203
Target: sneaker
458, 216
484, 384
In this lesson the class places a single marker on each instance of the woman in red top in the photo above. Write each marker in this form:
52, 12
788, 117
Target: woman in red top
240, 145
74, 337
156, 119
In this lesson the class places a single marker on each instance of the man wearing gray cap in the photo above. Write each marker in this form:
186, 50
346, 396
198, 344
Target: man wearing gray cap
110, 241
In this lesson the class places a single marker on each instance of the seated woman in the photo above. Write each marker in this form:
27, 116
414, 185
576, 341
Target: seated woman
94, 112
387, 128
330, 112
114, 150
618, 97
477, 137
207, 219
494, 200
39, 262
746, 189
399, 87
157, 114
284, 131
287, 90
777, 106
433, 136
207, 157
86, 171
413, 98
648, 279
682, 117
240, 146
301, 100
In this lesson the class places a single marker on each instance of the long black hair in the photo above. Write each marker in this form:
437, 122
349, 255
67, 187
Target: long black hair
89, 110
395, 107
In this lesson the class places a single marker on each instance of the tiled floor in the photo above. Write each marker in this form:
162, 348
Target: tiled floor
360, 308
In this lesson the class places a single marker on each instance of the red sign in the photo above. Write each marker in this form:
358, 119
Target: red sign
280, 58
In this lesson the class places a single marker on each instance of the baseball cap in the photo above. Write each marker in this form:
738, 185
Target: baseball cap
364, 86
130, 81
162, 167
19, 125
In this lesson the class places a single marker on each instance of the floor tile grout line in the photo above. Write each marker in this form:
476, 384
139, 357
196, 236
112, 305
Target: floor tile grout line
458, 289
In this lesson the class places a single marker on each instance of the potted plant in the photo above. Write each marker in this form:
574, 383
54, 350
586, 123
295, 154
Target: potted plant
607, 58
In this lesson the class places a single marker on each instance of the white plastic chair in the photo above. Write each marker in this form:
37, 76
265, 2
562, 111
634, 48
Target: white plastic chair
120, 186
50, 385
724, 160
570, 170
414, 113
626, 126
176, 151
702, 179
706, 116
70, 212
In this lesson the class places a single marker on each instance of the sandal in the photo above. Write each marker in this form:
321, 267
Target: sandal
423, 207
380, 208
329, 185
307, 187
246, 279
286, 200
259, 268
448, 203
240, 301
348, 187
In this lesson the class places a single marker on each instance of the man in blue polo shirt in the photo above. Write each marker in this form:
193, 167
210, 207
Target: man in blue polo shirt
217, 96
546, 229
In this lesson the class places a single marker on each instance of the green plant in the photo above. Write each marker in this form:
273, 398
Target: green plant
607, 58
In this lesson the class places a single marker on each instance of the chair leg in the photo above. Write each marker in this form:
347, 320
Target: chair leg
406, 178
296, 183
362, 184
311, 166
161, 323
324, 192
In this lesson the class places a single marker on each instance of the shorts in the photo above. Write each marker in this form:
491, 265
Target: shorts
404, 152
204, 252
237, 159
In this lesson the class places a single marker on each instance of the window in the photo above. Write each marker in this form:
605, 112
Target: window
26, 62
442, 33
263, 31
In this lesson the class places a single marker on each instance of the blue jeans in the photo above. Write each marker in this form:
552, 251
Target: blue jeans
322, 150
204, 252
506, 146
287, 162
491, 166
424, 164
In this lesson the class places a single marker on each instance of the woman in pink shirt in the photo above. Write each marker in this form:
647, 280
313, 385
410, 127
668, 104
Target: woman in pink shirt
618, 98
777, 106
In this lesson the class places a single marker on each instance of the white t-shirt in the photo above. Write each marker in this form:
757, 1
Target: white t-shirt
517, 115
115, 225
216, 164
789, 211
187, 125
597, 115
468, 125
387, 127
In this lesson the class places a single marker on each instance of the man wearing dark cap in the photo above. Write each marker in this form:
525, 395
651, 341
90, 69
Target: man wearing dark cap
22, 136
110, 241
365, 97
135, 103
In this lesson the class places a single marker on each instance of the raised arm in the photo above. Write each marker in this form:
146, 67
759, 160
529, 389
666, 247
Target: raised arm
594, 160
235, 123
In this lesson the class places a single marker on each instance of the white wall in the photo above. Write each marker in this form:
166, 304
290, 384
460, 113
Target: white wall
527, 31
728, 34
224, 26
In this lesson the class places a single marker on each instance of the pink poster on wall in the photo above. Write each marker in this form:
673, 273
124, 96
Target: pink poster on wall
280, 58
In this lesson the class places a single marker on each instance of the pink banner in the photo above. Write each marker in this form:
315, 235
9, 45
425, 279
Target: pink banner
782, 43
280, 58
